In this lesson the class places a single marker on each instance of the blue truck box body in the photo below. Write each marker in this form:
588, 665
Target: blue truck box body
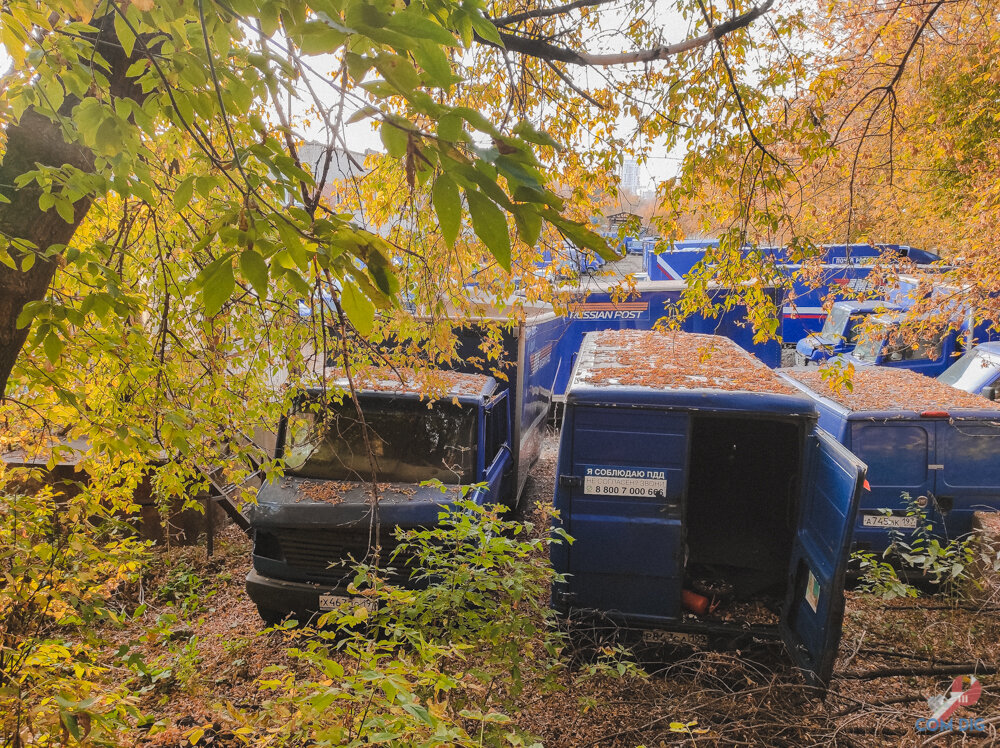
309, 524
844, 273
600, 310
934, 442
667, 471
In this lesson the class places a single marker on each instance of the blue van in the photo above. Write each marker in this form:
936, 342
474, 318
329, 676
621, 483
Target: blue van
977, 371
483, 429
884, 345
918, 436
687, 465
840, 330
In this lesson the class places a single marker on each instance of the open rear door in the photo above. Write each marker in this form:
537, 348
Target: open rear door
814, 606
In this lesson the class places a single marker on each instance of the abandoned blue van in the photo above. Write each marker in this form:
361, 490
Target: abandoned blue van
687, 466
840, 330
918, 436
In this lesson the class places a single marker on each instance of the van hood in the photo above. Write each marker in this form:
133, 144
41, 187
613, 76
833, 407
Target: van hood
306, 501
814, 342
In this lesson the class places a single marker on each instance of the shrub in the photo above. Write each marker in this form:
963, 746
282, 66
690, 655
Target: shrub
436, 664
61, 560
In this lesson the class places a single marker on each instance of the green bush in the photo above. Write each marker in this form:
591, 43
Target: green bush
61, 560
947, 566
437, 664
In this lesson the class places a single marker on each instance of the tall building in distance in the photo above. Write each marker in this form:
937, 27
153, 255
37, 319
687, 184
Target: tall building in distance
630, 176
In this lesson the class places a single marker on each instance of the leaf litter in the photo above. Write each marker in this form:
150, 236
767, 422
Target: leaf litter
693, 692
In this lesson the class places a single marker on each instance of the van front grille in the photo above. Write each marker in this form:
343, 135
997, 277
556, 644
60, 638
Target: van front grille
331, 552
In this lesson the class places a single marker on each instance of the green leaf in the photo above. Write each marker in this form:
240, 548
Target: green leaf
395, 139
448, 206
435, 63
125, 36
363, 113
184, 192
413, 23
219, 284
72, 726
526, 131
529, 224
490, 225
582, 236
319, 37
65, 210
254, 269
53, 346
477, 120
358, 308
449, 127
485, 28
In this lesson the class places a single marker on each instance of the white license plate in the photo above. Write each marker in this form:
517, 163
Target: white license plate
889, 520
332, 602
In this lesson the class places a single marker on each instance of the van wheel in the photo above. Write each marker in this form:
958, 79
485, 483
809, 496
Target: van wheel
271, 616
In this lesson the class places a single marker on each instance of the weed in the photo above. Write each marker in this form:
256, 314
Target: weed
948, 566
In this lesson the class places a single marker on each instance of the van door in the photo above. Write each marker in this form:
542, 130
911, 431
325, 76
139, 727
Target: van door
900, 455
813, 614
498, 465
625, 483
967, 472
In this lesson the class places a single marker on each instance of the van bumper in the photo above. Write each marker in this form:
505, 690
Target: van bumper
282, 596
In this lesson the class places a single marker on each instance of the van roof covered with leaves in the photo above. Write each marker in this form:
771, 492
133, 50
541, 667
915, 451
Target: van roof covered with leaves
672, 361
880, 388
434, 383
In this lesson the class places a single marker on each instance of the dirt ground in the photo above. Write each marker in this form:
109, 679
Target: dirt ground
893, 657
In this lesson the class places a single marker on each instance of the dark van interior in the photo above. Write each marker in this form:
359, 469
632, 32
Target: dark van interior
742, 509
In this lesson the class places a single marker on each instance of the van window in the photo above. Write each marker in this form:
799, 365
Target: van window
899, 348
410, 442
899, 451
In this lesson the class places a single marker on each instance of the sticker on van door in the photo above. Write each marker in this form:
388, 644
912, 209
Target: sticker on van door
603, 480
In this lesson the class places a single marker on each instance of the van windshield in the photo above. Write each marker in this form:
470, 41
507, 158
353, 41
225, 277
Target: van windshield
973, 370
410, 441
835, 323
870, 343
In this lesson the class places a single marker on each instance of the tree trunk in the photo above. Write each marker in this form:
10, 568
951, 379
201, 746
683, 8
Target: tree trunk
35, 139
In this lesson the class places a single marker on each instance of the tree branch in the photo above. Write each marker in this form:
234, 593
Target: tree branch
545, 12
554, 53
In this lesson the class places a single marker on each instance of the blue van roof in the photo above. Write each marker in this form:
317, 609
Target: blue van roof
882, 391
679, 369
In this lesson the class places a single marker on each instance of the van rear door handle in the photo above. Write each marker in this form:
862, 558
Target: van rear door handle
570, 481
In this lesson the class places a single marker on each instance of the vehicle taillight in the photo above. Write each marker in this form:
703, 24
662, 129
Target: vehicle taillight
934, 414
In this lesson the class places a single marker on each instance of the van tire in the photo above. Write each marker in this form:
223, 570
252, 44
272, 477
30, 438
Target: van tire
271, 616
